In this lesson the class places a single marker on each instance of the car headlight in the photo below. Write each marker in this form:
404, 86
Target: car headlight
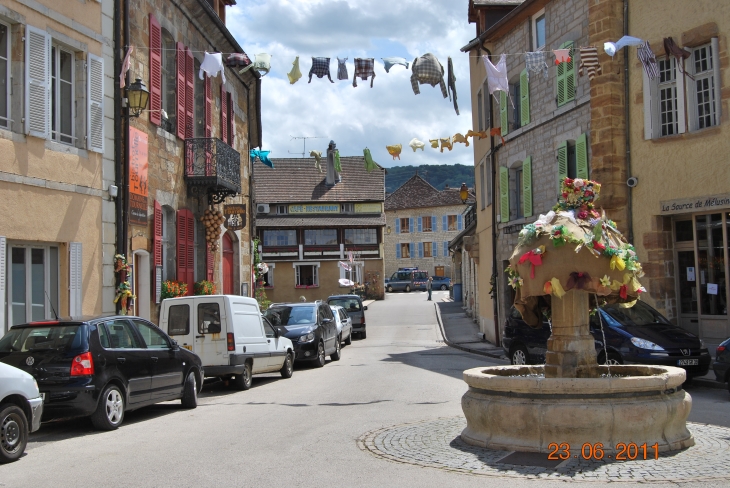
644, 344
702, 344
307, 338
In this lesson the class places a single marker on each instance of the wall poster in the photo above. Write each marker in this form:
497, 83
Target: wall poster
138, 164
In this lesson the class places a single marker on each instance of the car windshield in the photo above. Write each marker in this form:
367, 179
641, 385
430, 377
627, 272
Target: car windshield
291, 315
39, 338
639, 314
349, 304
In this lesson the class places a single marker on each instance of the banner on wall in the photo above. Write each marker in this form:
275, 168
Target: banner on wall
138, 165
235, 216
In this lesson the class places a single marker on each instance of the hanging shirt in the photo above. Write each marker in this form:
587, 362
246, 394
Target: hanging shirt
427, 70
212, 65
295, 73
390, 62
262, 64
394, 150
482, 134
342, 69
648, 60
496, 75
317, 155
416, 144
458, 137
535, 61
320, 67
612, 47
446, 143
262, 156
237, 60
338, 165
369, 163
451, 79
589, 61
562, 55
673, 50
434, 143
364, 67
125, 66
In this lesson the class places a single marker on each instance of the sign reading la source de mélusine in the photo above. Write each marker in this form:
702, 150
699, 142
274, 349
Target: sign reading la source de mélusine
688, 205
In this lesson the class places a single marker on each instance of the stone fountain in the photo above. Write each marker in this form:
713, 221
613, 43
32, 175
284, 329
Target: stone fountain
575, 258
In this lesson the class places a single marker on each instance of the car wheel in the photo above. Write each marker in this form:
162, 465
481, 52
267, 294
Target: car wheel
444, 287
363, 335
287, 370
614, 359
348, 341
519, 355
13, 433
390, 289
243, 381
320, 356
408, 288
110, 409
335, 356
190, 392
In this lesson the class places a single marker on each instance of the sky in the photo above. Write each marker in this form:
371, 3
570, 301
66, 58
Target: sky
356, 118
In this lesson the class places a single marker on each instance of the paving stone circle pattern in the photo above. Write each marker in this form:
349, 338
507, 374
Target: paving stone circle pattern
437, 444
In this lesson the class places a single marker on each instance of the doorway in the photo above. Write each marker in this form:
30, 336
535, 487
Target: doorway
142, 283
439, 271
228, 255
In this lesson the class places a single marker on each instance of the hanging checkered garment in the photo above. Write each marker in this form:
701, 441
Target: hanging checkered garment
320, 67
535, 61
589, 61
342, 69
364, 67
647, 58
427, 70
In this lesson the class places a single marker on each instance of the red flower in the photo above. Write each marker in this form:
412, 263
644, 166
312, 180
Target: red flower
582, 214
598, 245
565, 195
568, 181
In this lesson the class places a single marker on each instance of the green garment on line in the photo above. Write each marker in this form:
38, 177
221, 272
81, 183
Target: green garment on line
338, 166
369, 163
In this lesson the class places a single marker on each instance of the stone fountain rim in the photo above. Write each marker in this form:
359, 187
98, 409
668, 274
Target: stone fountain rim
659, 379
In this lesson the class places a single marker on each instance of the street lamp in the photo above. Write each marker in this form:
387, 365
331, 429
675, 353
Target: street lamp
464, 193
137, 97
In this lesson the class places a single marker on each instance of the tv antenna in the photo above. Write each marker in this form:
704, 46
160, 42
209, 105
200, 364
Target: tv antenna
304, 140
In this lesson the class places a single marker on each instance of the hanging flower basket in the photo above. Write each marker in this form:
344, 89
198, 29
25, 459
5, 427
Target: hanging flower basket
173, 289
204, 287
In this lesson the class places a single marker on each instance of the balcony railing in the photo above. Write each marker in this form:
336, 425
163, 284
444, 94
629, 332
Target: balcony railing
470, 217
212, 167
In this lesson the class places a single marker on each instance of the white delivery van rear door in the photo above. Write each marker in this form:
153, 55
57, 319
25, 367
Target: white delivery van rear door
249, 331
176, 320
209, 322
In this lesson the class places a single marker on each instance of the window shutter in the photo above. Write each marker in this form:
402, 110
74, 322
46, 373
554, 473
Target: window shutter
446, 248
410, 225
524, 98
562, 164
527, 187
397, 250
433, 224
37, 82
570, 74
157, 249
397, 225
434, 249
224, 114
420, 224
181, 89
560, 82
189, 93
208, 108
231, 119
209, 263
581, 157
715, 52
504, 194
503, 112
3, 254
186, 248
444, 223
411, 249
190, 261
681, 95
75, 275
649, 110
155, 71
460, 222
95, 104
420, 249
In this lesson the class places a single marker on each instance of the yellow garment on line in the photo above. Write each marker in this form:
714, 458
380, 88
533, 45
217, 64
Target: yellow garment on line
394, 150
481, 134
317, 155
434, 143
295, 74
446, 143
460, 138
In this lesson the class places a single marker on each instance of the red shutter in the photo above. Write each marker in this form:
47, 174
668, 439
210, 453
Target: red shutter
155, 71
191, 251
231, 114
181, 88
189, 93
157, 223
224, 114
208, 108
209, 263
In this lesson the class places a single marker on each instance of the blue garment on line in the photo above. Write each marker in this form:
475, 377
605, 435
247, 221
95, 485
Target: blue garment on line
262, 156
392, 61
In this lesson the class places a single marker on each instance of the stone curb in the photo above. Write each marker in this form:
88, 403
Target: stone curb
707, 383
457, 346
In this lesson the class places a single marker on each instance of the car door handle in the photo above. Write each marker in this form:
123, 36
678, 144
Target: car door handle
154, 359
121, 360
268, 340
200, 337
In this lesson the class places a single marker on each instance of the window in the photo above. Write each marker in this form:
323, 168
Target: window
405, 250
480, 115
573, 159
320, 237
209, 318
268, 278
169, 82
426, 223
178, 320
282, 210
452, 222
62, 95
702, 94
667, 96
306, 275
4, 76
518, 194
427, 249
33, 273
121, 335
538, 31
268, 328
169, 247
153, 337
280, 238
199, 101
515, 113
347, 208
361, 236
404, 225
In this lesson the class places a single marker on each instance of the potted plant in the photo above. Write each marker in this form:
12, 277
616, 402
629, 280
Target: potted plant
204, 287
173, 289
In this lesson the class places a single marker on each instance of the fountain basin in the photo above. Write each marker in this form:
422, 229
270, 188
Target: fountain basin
516, 408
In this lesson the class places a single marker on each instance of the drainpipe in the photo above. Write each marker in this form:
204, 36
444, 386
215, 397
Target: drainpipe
629, 203
119, 201
125, 137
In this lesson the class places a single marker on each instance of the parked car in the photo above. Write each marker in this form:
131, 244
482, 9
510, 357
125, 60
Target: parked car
638, 334
721, 365
355, 309
407, 281
102, 367
21, 407
344, 324
441, 282
251, 346
311, 327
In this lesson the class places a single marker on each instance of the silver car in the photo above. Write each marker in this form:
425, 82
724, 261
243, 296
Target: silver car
344, 324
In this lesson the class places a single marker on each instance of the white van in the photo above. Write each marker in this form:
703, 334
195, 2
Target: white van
230, 335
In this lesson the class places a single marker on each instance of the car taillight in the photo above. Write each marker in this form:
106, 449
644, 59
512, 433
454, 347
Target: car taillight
229, 340
720, 349
82, 365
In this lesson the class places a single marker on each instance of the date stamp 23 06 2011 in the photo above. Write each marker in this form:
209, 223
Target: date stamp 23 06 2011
624, 451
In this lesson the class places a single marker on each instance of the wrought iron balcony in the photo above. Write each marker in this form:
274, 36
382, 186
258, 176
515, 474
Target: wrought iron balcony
470, 217
212, 167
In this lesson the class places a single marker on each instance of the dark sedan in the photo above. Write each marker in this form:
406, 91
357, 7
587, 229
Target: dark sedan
102, 367
721, 366
638, 335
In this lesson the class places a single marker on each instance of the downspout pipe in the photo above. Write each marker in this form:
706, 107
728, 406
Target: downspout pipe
118, 165
629, 203
125, 137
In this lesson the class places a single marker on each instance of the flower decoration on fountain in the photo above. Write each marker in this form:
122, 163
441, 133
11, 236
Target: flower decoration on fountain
578, 196
535, 259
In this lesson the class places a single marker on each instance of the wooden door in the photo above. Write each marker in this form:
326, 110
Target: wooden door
439, 271
227, 265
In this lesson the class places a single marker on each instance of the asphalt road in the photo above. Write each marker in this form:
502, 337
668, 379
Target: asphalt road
296, 432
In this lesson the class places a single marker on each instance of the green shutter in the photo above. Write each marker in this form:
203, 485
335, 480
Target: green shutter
504, 193
503, 112
581, 157
527, 187
566, 77
524, 98
562, 163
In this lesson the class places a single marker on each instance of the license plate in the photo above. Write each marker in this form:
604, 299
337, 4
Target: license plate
688, 362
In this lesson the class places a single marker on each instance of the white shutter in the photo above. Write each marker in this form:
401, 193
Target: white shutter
3, 253
37, 82
74, 278
715, 44
648, 89
681, 96
95, 104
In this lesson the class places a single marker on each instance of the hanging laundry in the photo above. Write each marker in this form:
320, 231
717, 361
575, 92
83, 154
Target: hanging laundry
562, 56
237, 60
648, 59
342, 69
427, 70
589, 61
535, 61
338, 165
262, 64
496, 75
392, 61
451, 80
394, 150
612, 47
125, 66
446, 143
416, 144
320, 67
369, 163
671, 49
497, 131
317, 155
295, 73
482, 134
364, 67
262, 156
458, 137
212, 65
434, 143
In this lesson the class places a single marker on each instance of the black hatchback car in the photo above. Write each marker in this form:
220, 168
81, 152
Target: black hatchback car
102, 366
638, 335
721, 366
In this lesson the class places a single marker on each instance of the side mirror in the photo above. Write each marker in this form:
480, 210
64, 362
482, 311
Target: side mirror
276, 333
365, 307
175, 347
326, 321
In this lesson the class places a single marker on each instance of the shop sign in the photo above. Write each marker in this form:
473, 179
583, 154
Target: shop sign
314, 209
368, 208
235, 216
690, 205
138, 164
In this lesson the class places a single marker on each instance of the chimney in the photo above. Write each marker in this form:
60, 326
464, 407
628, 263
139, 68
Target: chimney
332, 176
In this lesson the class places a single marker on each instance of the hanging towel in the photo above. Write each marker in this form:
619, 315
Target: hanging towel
262, 64
611, 48
416, 144
342, 69
496, 75
320, 67
446, 143
125, 66
535, 61
295, 73
458, 137
338, 165
212, 65
427, 70
237, 60
390, 62
317, 155
589, 61
671, 49
648, 59
561, 56
394, 150
434, 143
262, 156
369, 163
451, 77
364, 67
482, 134
497, 131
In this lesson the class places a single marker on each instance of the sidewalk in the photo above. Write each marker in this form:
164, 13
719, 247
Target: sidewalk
460, 331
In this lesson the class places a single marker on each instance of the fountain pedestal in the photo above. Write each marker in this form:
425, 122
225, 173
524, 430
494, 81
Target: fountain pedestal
571, 345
